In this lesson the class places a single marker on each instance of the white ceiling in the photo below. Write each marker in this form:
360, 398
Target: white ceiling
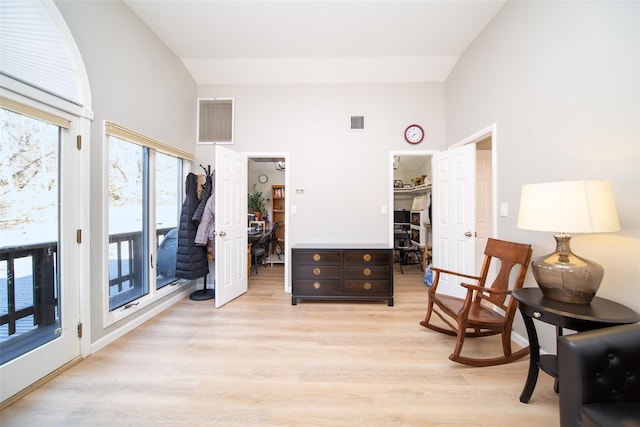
306, 41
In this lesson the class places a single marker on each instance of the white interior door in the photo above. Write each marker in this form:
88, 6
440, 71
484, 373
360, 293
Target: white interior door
484, 203
231, 225
453, 211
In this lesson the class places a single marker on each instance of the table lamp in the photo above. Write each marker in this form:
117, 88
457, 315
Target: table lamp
568, 207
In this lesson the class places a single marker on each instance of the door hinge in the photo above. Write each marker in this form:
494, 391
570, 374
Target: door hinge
79, 142
79, 235
80, 330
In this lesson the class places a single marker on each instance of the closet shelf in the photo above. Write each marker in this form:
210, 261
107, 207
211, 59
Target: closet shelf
418, 189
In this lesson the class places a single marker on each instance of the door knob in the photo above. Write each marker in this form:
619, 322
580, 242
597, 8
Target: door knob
470, 234
222, 234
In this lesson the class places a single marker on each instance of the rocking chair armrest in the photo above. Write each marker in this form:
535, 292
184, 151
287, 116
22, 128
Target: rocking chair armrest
468, 276
488, 290
468, 299
471, 287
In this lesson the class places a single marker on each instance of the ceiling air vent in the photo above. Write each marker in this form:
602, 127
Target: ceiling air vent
357, 122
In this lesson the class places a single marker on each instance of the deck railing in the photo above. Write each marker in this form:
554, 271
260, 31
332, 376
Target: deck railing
37, 298
34, 294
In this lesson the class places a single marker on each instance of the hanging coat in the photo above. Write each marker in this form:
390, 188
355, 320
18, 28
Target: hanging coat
207, 227
206, 219
191, 260
206, 193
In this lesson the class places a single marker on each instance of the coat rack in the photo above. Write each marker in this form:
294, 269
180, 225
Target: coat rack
204, 293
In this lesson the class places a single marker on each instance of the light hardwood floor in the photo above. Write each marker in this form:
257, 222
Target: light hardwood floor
259, 361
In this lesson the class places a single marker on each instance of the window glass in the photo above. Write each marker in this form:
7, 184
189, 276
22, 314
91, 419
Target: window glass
128, 222
168, 189
29, 224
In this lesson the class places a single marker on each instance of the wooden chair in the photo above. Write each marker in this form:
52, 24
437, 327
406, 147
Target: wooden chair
476, 314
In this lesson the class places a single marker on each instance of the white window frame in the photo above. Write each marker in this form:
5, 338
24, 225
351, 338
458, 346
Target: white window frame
153, 295
75, 122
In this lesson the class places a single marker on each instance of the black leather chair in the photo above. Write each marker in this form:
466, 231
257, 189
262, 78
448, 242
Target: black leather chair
274, 243
259, 251
599, 374
407, 252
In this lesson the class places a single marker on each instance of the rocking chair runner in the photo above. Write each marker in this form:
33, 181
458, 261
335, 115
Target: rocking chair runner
474, 316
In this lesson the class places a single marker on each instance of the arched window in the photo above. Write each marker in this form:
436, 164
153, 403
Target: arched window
35, 50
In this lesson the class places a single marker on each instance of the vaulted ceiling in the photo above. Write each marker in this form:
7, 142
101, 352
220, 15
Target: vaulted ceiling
307, 41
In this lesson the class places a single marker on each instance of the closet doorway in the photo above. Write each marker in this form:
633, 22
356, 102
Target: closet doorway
411, 195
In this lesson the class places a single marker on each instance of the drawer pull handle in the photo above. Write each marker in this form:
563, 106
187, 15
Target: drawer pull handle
366, 272
316, 285
367, 285
537, 314
366, 257
316, 257
316, 271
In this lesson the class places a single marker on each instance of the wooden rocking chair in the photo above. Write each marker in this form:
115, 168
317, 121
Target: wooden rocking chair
475, 315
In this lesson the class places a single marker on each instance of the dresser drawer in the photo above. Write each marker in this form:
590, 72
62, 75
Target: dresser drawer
316, 272
315, 257
366, 257
366, 272
366, 287
317, 287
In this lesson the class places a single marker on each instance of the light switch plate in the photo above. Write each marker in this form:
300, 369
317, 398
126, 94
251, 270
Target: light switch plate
504, 209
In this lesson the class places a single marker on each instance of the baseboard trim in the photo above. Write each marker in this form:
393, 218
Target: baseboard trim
523, 341
42, 381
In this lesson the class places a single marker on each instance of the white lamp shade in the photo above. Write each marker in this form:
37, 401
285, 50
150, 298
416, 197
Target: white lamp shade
568, 207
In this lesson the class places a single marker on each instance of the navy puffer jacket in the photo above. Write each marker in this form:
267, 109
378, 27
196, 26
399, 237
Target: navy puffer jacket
191, 260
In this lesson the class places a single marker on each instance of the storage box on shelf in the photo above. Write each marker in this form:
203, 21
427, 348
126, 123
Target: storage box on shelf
418, 231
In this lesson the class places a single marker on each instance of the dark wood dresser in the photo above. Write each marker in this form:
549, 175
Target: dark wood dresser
342, 272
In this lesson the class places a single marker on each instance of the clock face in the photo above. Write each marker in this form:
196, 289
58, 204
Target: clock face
414, 134
263, 179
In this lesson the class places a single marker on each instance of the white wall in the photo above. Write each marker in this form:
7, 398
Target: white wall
561, 81
135, 82
344, 174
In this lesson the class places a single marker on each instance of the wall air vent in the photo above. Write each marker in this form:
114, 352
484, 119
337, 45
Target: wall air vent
357, 122
215, 121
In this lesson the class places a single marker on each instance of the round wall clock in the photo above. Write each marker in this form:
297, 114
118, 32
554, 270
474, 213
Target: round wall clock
414, 134
263, 179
